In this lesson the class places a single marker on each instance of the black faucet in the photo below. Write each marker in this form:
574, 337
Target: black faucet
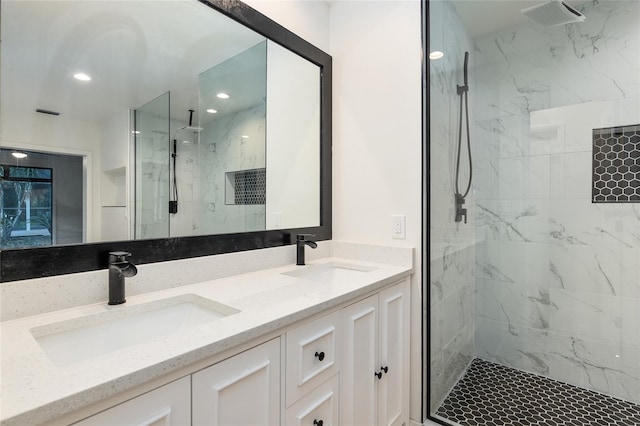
301, 241
119, 268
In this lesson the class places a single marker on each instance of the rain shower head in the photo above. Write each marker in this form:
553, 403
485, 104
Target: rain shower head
553, 13
192, 128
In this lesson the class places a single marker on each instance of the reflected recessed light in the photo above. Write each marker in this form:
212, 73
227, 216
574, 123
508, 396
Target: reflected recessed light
211, 111
436, 54
81, 76
19, 154
245, 137
222, 95
136, 132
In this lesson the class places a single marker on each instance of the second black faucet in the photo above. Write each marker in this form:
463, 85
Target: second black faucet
301, 241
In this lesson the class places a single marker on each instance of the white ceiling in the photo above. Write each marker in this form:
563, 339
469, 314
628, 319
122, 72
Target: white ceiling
133, 50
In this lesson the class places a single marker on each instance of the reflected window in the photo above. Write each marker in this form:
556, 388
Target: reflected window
25, 206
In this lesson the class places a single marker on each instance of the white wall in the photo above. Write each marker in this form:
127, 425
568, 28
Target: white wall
307, 18
376, 49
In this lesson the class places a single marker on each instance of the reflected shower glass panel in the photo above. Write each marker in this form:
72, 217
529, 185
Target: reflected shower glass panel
232, 144
152, 168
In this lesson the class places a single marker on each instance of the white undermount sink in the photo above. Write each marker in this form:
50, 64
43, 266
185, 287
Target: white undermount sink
122, 326
329, 272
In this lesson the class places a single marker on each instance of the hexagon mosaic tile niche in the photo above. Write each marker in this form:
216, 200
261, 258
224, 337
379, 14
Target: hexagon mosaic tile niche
616, 165
491, 394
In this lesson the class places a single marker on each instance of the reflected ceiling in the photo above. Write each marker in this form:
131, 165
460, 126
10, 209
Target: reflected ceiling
86, 36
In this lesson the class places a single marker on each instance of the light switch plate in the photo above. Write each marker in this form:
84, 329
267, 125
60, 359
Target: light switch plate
398, 227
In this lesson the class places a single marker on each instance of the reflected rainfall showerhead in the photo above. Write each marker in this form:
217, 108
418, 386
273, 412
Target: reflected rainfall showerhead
553, 13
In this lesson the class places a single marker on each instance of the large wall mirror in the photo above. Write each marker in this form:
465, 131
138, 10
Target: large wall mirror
171, 129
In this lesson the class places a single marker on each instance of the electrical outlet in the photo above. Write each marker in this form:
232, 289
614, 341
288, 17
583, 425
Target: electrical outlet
398, 227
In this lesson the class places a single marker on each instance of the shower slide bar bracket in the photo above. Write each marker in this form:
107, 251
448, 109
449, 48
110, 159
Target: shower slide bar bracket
462, 89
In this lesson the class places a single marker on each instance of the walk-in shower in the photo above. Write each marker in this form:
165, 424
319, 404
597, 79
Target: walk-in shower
533, 305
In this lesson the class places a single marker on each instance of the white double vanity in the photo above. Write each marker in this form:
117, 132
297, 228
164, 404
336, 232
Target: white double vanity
322, 344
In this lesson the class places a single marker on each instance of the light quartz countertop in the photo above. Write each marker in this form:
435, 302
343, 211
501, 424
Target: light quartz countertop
33, 390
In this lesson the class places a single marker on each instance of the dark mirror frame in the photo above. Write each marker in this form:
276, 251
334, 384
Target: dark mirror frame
20, 264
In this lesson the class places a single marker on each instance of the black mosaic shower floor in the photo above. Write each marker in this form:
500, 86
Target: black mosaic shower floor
490, 394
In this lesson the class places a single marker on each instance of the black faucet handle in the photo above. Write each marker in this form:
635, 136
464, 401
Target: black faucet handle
118, 256
303, 237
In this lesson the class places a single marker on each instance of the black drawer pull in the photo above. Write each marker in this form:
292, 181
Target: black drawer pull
318, 422
378, 375
384, 369
320, 356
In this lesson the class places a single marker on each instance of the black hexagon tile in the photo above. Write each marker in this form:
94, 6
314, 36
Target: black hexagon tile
616, 165
491, 394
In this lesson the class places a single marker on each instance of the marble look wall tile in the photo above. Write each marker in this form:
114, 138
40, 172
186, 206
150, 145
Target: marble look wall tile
514, 304
513, 262
514, 220
580, 222
570, 175
610, 319
595, 269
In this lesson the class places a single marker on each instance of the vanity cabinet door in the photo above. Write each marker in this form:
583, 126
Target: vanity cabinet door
169, 405
358, 382
375, 367
318, 408
241, 390
393, 392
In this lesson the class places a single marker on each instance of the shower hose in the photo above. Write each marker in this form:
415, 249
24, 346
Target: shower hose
462, 92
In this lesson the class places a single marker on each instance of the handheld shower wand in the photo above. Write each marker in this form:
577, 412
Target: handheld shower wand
462, 91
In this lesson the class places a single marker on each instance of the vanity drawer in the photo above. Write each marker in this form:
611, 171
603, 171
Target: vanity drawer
320, 407
312, 355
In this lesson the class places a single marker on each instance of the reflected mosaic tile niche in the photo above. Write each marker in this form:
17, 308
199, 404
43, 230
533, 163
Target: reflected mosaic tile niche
616, 165
250, 186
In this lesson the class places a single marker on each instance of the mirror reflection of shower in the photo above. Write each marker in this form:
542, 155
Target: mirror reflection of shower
187, 135
462, 91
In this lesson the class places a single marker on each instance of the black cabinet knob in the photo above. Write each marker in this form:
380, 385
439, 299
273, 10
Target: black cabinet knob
318, 422
378, 375
384, 369
320, 356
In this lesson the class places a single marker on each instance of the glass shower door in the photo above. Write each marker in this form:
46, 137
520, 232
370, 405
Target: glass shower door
534, 302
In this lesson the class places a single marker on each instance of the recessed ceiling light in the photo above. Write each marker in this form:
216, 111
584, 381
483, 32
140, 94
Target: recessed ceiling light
436, 54
245, 137
222, 95
136, 132
211, 111
81, 76
19, 154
